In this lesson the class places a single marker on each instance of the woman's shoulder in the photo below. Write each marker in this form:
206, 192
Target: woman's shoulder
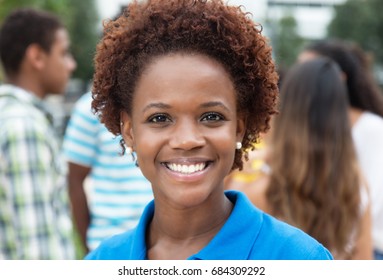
113, 248
279, 240
270, 238
368, 132
368, 120
129, 245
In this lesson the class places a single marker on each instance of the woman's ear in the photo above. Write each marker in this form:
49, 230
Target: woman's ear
241, 127
126, 129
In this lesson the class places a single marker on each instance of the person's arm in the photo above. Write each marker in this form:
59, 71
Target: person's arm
80, 210
364, 248
80, 146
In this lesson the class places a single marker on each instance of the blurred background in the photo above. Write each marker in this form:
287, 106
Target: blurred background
289, 24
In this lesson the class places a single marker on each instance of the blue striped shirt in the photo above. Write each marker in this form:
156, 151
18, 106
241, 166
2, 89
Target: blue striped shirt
117, 192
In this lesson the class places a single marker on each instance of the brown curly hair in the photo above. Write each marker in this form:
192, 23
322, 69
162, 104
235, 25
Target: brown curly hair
148, 29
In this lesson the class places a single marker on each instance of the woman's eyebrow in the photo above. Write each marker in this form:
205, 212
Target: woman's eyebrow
214, 104
158, 105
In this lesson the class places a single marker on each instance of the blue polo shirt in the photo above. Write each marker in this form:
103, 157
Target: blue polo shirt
248, 234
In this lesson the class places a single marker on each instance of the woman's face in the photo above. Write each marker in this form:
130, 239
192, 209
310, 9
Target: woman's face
184, 128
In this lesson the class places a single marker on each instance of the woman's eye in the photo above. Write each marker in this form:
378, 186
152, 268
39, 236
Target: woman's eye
212, 117
159, 118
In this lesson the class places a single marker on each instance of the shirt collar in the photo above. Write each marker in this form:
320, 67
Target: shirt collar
24, 96
236, 238
139, 235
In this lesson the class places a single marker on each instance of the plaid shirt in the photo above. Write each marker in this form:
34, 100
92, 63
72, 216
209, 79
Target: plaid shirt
34, 214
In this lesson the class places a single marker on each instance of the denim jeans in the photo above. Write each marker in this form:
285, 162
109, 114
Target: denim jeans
378, 255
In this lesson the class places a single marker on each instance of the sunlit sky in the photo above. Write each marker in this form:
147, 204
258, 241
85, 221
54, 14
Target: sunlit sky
109, 8
311, 22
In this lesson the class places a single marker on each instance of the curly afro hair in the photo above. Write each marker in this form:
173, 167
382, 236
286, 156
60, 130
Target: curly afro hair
152, 28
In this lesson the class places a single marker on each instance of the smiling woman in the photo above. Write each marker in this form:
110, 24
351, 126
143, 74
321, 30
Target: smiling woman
190, 85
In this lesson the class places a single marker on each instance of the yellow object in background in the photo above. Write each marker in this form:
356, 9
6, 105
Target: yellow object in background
254, 168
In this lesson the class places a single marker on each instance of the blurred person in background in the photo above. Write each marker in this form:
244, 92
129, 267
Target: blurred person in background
107, 190
313, 180
35, 220
366, 115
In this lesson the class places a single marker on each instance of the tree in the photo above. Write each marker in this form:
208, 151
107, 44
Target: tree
360, 21
85, 35
286, 42
59, 7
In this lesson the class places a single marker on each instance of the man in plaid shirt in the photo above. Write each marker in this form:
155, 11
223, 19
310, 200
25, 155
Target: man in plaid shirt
35, 220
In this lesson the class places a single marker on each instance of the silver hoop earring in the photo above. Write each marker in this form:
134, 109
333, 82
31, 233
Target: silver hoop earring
238, 145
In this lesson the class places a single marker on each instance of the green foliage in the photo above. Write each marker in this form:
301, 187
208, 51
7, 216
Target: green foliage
59, 7
81, 18
286, 42
85, 35
360, 21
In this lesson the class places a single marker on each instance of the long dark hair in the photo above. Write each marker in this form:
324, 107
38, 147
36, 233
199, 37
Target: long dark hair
314, 182
363, 91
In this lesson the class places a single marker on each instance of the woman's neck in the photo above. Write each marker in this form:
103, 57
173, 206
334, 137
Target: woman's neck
177, 234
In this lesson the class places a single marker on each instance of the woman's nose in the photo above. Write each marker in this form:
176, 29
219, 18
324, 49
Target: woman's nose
187, 135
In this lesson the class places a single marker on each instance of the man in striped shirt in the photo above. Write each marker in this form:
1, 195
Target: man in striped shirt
35, 220
107, 190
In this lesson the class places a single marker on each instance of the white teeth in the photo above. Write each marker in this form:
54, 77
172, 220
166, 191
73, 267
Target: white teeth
186, 169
